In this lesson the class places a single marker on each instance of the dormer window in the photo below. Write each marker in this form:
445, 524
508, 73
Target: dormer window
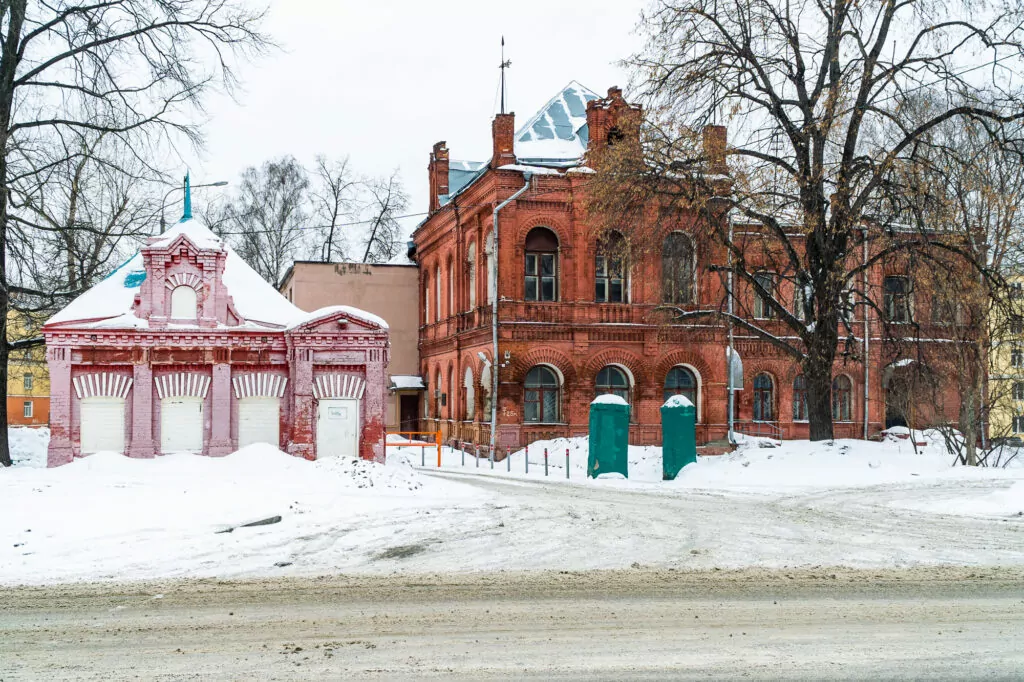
183, 303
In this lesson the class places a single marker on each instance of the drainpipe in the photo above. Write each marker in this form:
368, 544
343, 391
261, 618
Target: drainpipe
493, 286
732, 349
867, 335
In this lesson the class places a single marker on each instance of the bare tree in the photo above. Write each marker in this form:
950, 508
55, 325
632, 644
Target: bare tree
386, 200
268, 215
333, 200
819, 99
130, 68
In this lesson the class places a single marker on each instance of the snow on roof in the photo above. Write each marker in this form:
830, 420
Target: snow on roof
347, 309
678, 401
405, 382
110, 298
559, 130
109, 303
609, 399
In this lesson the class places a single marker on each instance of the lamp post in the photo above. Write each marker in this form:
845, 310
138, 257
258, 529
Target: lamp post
163, 203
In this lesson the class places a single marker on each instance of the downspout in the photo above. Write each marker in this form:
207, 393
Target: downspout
867, 334
732, 350
493, 286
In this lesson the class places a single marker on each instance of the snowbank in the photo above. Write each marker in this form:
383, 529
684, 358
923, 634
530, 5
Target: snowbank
28, 445
107, 516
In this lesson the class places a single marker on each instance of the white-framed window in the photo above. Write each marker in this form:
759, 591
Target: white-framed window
1018, 390
28, 382
1018, 423
184, 305
1017, 357
471, 264
27, 409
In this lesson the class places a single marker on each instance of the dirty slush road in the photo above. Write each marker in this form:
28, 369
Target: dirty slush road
924, 623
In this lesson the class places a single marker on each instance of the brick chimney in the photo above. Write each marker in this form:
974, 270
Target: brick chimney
438, 174
714, 141
503, 133
610, 118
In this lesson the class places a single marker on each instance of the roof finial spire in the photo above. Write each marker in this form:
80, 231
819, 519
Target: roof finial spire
187, 215
505, 63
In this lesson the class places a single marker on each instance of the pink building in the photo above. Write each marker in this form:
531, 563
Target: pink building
185, 348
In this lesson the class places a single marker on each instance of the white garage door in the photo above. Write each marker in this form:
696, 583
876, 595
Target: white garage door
181, 424
337, 428
102, 425
259, 421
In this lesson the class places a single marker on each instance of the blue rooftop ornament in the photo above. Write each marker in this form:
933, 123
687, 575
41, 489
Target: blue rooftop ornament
188, 201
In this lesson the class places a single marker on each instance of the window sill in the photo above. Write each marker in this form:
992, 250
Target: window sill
545, 423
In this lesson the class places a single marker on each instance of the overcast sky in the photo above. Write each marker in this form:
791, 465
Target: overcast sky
381, 80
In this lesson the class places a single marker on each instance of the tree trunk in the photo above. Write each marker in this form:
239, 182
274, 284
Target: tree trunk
817, 368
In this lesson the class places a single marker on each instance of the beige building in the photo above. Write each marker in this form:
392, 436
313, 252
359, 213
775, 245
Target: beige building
385, 290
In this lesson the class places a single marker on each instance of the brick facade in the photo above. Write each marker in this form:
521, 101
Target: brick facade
575, 335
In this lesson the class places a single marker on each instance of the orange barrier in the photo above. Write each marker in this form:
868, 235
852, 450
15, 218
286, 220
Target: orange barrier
411, 443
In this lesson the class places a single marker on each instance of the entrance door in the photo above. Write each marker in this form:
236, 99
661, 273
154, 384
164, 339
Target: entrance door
408, 411
337, 428
181, 424
102, 425
259, 421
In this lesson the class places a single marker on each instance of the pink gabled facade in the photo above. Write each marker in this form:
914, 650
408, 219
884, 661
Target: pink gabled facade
185, 347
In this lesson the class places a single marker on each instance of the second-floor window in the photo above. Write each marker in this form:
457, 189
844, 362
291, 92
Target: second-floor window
762, 307
610, 271
1017, 357
471, 265
541, 265
28, 382
677, 266
1018, 390
1017, 325
897, 299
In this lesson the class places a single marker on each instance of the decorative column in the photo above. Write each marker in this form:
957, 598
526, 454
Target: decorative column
371, 440
300, 443
220, 406
60, 451
142, 444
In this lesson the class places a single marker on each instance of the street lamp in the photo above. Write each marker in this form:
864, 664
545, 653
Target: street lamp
163, 203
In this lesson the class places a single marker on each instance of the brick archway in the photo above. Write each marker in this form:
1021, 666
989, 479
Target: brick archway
616, 356
544, 356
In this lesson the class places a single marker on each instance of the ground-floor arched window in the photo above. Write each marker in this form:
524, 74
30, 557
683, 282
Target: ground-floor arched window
764, 398
842, 399
681, 381
800, 399
542, 399
612, 379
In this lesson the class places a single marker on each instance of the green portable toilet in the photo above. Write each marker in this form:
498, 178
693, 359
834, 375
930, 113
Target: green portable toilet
609, 436
678, 435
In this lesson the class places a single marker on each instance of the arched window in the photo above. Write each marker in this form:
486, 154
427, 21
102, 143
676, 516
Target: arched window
543, 395
437, 294
764, 398
469, 395
541, 265
451, 287
485, 384
842, 399
800, 398
612, 379
426, 396
490, 267
450, 394
183, 303
610, 270
677, 260
471, 264
762, 308
438, 388
426, 298
681, 381
898, 301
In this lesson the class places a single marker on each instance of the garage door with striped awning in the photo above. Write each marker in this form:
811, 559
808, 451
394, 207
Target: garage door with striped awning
181, 411
102, 404
259, 407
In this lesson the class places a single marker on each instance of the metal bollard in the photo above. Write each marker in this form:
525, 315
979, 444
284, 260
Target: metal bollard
423, 455
491, 450
463, 457
527, 459
545, 461
567, 462
477, 458
508, 460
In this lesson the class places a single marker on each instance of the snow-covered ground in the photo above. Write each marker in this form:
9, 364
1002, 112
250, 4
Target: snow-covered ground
849, 503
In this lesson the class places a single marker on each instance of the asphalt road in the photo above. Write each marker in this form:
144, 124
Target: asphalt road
925, 623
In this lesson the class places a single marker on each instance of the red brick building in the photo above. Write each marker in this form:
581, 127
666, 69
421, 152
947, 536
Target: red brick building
573, 320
